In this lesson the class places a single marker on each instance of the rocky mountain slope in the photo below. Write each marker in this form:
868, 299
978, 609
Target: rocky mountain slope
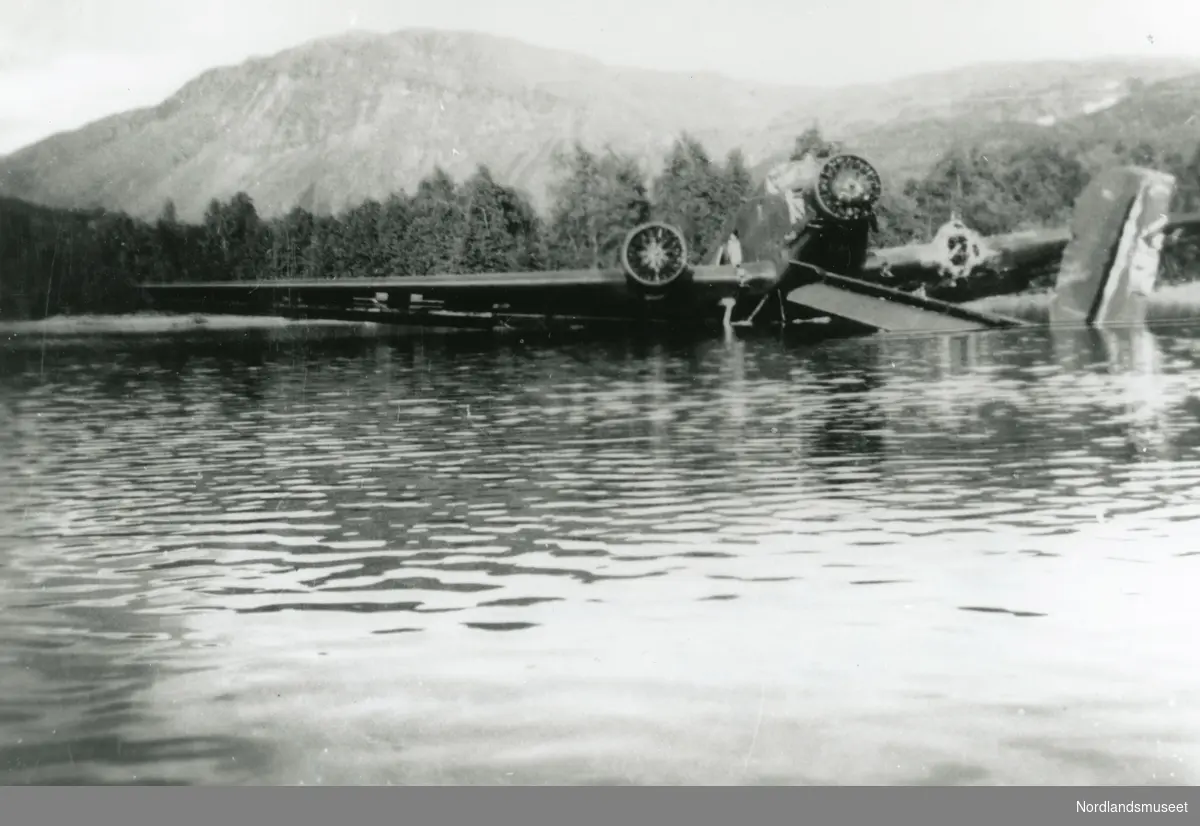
331, 122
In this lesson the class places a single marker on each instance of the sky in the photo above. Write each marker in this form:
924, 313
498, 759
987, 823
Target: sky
64, 63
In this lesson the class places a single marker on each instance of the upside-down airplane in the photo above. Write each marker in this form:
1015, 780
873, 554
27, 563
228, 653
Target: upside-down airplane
797, 254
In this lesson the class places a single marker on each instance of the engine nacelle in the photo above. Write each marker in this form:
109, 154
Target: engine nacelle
654, 255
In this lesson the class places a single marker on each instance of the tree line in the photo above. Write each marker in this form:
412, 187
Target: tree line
60, 261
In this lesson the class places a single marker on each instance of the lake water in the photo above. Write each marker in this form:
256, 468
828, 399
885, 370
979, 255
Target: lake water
336, 557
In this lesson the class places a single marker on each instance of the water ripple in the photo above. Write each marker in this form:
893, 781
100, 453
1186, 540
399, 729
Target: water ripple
327, 534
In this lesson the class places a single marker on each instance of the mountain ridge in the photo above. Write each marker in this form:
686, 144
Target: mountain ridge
361, 115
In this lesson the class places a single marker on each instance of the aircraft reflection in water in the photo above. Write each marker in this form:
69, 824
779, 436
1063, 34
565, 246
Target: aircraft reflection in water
1122, 370
1101, 403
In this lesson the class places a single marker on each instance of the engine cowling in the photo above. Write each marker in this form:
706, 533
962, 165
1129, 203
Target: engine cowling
958, 250
654, 255
847, 188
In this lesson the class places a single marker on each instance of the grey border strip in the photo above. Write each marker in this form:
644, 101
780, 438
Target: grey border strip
586, 806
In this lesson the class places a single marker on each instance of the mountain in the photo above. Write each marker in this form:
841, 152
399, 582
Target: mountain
905, 126
332, 122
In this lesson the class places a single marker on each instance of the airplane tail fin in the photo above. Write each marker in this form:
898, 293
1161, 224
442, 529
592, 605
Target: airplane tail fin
1111, 263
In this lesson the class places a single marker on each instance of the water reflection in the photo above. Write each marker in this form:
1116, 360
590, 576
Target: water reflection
295, 557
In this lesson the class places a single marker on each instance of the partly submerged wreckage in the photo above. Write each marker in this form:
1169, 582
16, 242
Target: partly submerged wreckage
798, 254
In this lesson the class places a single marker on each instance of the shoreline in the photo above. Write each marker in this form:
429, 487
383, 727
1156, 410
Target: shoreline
135, 323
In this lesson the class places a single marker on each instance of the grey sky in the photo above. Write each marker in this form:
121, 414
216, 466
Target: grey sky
66, 62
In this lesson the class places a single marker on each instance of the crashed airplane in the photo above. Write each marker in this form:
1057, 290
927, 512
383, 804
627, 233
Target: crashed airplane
797, 255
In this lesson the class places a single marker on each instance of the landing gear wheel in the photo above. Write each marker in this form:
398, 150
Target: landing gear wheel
654, 255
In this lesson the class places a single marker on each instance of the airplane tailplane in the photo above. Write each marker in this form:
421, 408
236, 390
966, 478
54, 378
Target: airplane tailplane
1111, 263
